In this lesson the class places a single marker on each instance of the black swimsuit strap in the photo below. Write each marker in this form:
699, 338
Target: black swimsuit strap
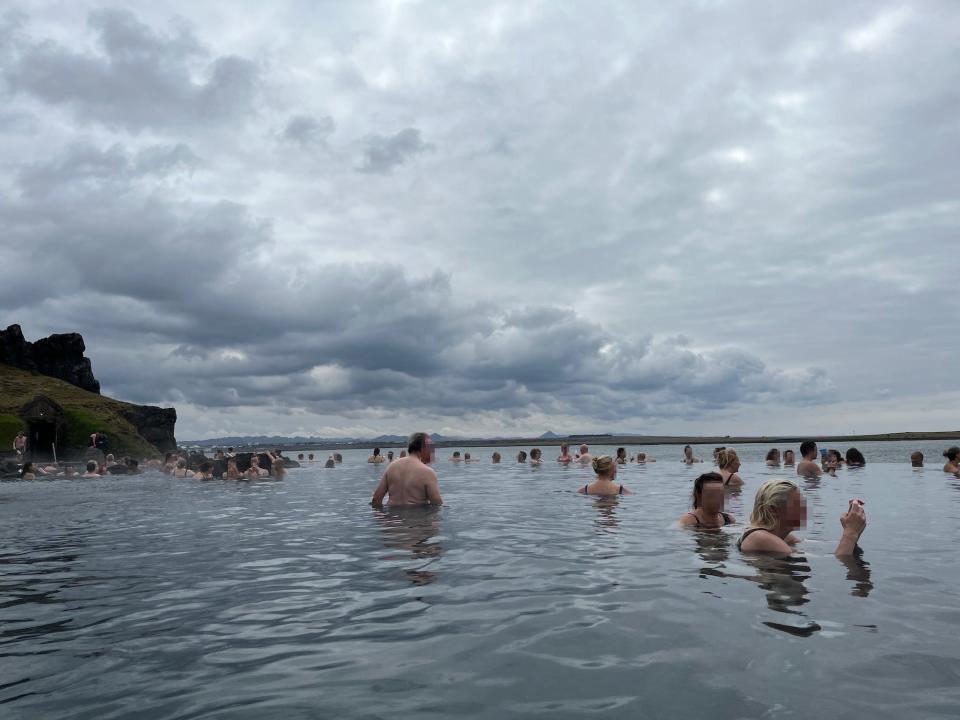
621, 490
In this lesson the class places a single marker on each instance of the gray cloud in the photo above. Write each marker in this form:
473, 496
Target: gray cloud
383, 154
306, 130
720, 219
139, 78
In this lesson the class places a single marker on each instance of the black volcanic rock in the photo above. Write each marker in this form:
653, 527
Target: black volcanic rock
154, 424
58, 356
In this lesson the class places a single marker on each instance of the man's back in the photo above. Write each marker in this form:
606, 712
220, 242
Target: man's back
408, 481
808, 468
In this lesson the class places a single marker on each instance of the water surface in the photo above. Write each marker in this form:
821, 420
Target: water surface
167, 598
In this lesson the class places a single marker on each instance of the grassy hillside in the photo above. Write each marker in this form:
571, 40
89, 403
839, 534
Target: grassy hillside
86, 412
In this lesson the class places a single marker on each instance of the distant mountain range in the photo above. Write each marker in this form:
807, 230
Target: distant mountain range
260, 440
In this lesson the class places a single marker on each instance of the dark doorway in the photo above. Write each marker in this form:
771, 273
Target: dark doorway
41, 435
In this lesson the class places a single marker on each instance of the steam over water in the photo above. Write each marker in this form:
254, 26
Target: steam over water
157, 597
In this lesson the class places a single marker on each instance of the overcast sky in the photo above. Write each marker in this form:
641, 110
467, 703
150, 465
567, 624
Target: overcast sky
349, 218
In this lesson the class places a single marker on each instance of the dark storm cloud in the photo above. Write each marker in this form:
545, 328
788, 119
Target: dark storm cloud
140, 78
383, 154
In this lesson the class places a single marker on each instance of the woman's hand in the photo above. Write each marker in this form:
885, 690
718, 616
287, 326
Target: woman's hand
854, 520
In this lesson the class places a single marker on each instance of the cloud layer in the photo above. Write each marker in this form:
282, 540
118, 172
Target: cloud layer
719, 218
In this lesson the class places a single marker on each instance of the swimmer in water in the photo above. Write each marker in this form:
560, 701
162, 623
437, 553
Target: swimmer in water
642, 458
584, 457
522, 456
779, 508
535, 456
91, 470
688, 457
621, 456
495, 459
729, 463
855, 458
455, 458
916, 458
411, 480
808, 466
181, 471
708, 497
310, 457
773, 458
232, 473
605, 483
952, 455
466, 457
789, 460
330, 463
376, 458
205, 472
338, 458
564, 456
277, 469
389, 456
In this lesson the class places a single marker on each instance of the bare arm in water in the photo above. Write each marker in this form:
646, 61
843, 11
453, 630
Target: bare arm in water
854, 520
380, 492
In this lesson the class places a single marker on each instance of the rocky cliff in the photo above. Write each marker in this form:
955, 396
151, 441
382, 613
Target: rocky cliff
57, 356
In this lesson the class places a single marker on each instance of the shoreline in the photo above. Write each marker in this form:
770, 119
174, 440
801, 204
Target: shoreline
714, 440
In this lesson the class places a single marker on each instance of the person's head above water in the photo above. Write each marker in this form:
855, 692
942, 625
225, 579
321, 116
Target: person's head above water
727, 459
376, 452
584, 449
808, 450
708, 492
778, 504
687, 451
773, 456
952, 453
496, 457
916, 458
522, 456
621, 453
855, 458
788, 457
421, 446
605, 467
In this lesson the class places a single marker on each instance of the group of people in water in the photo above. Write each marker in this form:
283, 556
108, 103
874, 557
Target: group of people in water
779, 507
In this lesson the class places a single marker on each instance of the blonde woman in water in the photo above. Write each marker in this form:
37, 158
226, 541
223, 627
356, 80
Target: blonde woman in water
605, 483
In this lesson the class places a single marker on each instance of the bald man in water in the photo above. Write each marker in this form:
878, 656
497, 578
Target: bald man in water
409, 480
584, 457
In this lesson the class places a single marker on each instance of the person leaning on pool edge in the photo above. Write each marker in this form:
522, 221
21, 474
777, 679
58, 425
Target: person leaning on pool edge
779, 508
410, 480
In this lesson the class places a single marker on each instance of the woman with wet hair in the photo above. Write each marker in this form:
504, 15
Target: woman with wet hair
953, 456
535, 456
729, 462
522, 456
605, 483
779, 508
688, 457
496, 458
773, 458
855, 458
708, 496
621, 456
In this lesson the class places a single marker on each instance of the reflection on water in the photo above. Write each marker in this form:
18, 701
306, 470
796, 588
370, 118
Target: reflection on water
411, 529
606, 520
713, 546
858, 571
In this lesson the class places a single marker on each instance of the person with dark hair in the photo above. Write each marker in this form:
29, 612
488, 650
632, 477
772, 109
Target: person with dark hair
832, 461
708, 497
410, 480
390, 456
773, 458
91, 470
330, 463
133, 466
205, 471
455, 458
916, 458
310, 457
376, 458
808, 466
621, 456
605, 483
855, 458
521, 456
952, 455
564, 457
535, 456
338, 458
688, 458
495, 459
789, 459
